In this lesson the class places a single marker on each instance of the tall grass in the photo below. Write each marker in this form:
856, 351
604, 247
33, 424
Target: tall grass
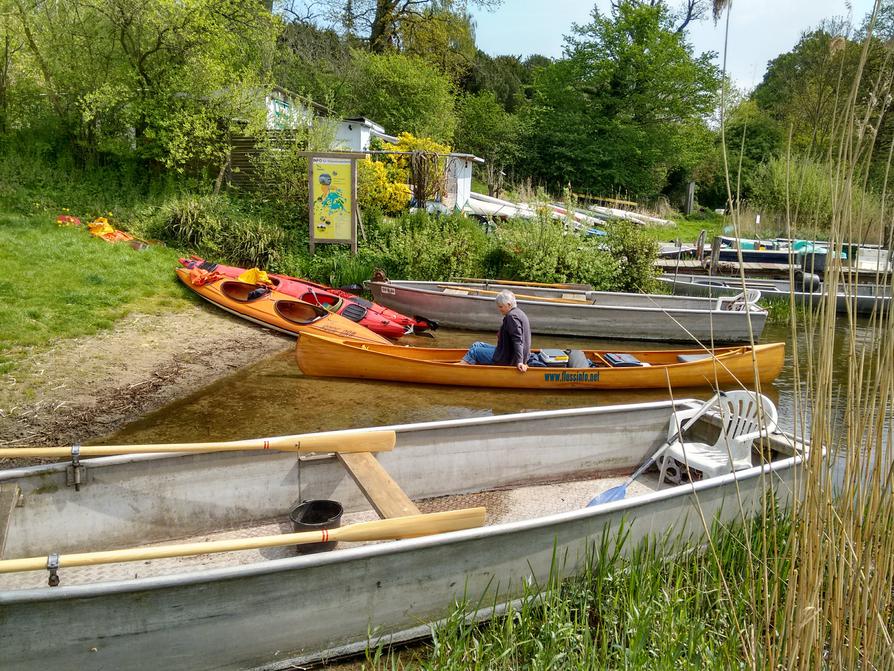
650, 608
835, 610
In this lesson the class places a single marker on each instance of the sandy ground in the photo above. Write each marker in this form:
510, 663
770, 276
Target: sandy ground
87, 387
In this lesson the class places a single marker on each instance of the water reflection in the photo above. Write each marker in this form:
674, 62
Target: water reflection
273, 397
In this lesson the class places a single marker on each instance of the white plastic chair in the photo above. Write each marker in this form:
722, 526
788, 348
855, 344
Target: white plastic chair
747, 300
745, 417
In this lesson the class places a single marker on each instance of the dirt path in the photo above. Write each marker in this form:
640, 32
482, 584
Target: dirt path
87, 387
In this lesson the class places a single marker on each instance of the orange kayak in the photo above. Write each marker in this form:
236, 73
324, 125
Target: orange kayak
262, 305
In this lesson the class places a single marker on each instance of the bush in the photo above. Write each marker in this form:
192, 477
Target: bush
423, 247
635, 252
216, 228
805, 188
546, 250
377, 191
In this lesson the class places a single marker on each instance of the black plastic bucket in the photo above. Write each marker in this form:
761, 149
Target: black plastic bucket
316, 515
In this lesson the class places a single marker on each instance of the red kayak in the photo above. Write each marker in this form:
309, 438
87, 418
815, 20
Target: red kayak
373, 316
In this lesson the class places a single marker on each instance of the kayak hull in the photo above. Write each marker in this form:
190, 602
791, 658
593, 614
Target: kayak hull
275, 310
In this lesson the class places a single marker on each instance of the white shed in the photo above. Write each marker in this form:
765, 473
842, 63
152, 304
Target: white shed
355, 134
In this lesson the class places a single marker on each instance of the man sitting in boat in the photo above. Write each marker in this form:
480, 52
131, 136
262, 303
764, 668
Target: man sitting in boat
513, 339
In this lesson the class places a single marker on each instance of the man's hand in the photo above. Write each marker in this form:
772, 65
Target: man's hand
522, 367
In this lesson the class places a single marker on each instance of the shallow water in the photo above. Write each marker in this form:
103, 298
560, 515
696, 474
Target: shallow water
273, 397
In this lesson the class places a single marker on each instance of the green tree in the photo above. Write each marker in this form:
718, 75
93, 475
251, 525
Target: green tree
445, 39
403, 93
487, 130
752, 138
625, 105
509, 78
164, 77
804, 87
316, 63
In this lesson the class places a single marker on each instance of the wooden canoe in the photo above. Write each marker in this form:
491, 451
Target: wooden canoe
276, 310
338, 357
273, 609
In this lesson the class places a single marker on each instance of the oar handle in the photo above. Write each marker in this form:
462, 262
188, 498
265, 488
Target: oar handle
330, 441
410, 526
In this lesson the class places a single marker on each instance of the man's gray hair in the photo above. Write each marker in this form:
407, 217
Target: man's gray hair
506, 297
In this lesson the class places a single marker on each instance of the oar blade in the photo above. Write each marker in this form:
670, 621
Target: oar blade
609, 495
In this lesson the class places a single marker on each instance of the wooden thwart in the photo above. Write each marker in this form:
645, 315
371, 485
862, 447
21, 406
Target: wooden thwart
385, 495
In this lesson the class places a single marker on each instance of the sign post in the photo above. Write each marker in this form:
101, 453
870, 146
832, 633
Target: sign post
332, 188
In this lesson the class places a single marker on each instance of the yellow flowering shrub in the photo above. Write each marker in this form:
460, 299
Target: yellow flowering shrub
376, 190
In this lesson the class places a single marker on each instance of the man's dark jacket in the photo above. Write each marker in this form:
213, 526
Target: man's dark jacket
513, 339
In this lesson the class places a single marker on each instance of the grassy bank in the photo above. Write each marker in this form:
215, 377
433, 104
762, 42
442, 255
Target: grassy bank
61, 282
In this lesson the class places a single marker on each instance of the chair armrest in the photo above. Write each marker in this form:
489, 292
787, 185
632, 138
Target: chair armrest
749, 437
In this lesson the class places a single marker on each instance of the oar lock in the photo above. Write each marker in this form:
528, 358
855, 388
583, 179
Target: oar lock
76, 473
53, 568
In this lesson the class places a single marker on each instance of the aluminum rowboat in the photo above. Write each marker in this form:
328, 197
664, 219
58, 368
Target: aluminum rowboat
861, 299
534, 471
595, 314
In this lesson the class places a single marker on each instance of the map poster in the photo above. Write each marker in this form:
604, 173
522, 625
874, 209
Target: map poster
332, 189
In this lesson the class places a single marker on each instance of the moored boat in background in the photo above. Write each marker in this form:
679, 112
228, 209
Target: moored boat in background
596, 314
862, 299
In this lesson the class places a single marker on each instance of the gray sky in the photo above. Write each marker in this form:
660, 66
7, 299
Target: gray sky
760, 30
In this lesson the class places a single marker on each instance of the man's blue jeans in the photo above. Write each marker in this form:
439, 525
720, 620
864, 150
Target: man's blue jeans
480, 353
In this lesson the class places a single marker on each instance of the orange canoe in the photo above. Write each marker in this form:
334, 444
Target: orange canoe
259, 304
339, 357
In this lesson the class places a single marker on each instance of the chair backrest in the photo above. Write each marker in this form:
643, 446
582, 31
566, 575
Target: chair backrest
745, 412
747, 300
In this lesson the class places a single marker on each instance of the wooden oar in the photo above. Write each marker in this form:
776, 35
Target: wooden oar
519, 283
329, 441
410, 526
523, 297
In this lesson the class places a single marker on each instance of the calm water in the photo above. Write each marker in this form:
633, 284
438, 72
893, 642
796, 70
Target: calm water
273, 397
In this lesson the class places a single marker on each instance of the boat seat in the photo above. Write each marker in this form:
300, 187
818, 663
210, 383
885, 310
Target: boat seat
623, 360
577, 359
380, 489
688, 358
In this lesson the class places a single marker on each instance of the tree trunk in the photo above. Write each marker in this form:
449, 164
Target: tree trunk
4, 81
381, 36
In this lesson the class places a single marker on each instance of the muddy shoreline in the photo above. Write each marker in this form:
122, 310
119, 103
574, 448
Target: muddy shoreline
84, 388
